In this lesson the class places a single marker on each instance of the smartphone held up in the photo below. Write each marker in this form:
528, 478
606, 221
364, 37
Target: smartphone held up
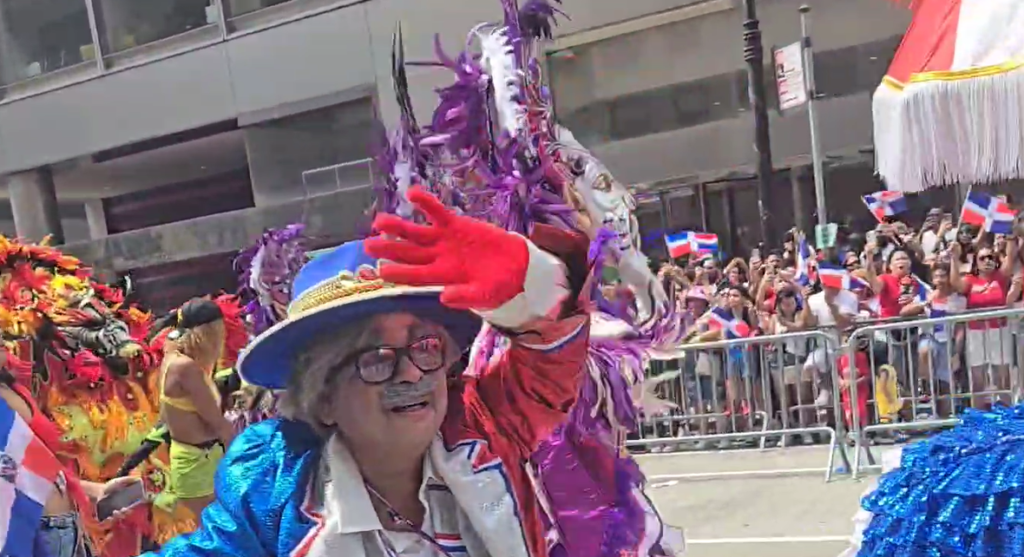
123, 499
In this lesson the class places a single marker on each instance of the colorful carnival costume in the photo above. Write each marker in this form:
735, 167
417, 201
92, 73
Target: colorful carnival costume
266, 271
578, 492
959, 493
284, 490
590, 490
79, 354
534, 172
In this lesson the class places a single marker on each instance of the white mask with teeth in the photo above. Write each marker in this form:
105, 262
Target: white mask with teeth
609, 204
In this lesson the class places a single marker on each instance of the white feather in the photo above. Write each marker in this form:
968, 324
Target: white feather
498, 59
650, 402
256, 269
403, 179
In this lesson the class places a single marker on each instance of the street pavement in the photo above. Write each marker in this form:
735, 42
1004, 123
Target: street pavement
741, 503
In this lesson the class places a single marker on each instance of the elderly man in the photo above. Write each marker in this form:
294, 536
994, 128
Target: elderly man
389, 449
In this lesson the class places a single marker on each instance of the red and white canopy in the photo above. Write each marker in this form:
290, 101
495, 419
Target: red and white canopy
951, 107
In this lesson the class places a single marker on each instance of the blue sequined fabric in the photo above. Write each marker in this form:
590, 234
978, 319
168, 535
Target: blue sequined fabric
959, 493
261, 483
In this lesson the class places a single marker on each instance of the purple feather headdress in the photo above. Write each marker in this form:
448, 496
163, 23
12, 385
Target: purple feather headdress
265, 273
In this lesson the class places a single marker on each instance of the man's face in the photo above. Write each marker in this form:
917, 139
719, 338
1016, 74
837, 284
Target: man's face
404, 408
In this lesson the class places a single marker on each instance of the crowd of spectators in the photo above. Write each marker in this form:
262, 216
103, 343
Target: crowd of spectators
913, 372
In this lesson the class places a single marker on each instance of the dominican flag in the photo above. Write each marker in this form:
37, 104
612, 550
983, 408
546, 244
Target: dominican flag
885, 204
688, 243
946, 306
28, 471
989, 213
804, 270
921, 290
937, 114
833, 276
722, 318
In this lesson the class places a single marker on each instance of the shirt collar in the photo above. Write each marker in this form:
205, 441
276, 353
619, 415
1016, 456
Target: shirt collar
347, 502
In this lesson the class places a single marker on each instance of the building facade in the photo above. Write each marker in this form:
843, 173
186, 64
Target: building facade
157, 138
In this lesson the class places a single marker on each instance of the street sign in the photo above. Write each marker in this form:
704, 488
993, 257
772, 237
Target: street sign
789, 76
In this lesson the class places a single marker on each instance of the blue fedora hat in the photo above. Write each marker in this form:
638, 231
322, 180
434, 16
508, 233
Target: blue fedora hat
334, 290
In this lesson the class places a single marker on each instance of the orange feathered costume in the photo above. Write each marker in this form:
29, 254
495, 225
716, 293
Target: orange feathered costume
81, 352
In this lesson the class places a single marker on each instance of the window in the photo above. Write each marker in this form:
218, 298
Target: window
840, 72
42, 36
125, 24
235, 8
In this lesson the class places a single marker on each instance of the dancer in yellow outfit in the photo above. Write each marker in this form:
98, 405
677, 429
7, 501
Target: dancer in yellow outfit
190, 402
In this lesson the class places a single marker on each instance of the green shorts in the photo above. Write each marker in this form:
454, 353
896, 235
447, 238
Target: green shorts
193, 469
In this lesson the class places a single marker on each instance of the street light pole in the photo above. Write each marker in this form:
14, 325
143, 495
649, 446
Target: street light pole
753, 54
812, 95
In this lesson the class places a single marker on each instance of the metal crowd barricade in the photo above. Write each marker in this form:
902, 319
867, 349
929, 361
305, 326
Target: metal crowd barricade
919, 374
728, 384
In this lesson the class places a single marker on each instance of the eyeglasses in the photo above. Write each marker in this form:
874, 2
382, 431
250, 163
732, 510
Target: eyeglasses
378, 365
986, 258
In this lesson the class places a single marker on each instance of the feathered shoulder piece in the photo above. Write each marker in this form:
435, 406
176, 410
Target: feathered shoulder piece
265, 272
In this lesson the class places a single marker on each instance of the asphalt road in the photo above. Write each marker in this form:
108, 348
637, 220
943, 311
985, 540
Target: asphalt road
738, 504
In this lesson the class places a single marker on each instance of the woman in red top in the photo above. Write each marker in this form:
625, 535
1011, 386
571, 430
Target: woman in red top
894, 290
989, 341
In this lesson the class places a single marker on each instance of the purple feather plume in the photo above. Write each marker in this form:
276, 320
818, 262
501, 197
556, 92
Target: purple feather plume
266, 271
538, 18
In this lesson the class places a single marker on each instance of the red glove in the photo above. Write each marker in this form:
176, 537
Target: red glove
479, 265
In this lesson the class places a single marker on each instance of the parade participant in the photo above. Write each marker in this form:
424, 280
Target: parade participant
531, 171
389, 449
76, 350
190, 402
266, 271
952, 494
61, 531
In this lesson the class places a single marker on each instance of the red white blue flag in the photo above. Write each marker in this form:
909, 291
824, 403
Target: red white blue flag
28, 471
688, 243
832, 276
885, 204
723, 318
987, 212
805, 273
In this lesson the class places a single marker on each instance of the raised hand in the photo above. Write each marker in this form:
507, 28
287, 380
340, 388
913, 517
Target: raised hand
479, 265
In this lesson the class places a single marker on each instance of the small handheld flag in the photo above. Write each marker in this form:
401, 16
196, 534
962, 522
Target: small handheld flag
833, 276
885, 204
921, 290
804, 256
688, 243
991, 214
722, 318
28, 471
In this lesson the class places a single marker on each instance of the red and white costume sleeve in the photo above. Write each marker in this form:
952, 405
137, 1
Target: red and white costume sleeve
526, 390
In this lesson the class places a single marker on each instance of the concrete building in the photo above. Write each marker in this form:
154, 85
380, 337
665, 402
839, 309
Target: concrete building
150, 134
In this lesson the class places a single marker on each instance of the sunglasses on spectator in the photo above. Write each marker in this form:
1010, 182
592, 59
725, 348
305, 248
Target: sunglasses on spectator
378, 365
986, 257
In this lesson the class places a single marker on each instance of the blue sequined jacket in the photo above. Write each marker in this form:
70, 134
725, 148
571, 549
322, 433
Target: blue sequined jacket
261, 485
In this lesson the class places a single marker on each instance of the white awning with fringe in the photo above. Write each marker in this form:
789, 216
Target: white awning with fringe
951, 107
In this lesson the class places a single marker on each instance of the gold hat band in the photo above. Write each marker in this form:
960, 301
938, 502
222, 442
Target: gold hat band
333, 290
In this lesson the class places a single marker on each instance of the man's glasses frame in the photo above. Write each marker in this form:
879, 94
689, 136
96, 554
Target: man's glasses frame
427, 361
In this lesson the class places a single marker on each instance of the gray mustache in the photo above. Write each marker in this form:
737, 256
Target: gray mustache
401, 394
